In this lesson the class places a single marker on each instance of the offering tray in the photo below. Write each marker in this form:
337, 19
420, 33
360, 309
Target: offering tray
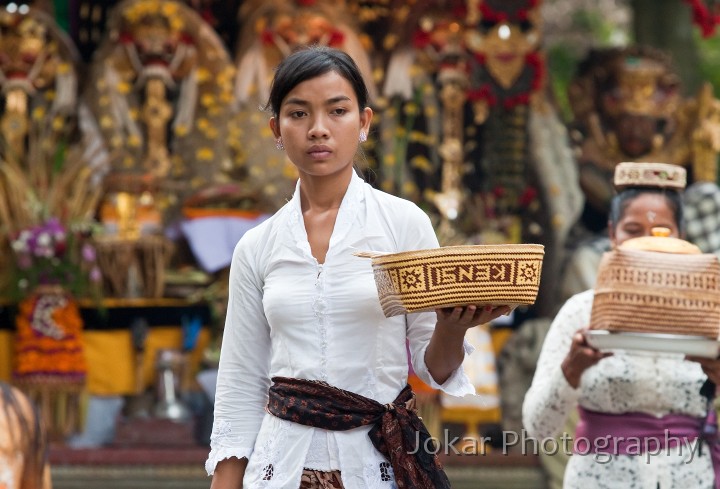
653, 342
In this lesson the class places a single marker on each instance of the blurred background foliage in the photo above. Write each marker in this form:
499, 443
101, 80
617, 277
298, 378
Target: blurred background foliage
709, 67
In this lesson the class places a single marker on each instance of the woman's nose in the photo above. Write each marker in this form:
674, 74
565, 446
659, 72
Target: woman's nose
318, 128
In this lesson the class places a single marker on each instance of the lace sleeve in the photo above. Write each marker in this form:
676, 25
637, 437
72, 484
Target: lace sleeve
243, 372
225, 444
550, 398
458, 384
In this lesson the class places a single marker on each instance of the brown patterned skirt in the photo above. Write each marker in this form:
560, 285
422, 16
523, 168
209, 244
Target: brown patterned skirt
317, 479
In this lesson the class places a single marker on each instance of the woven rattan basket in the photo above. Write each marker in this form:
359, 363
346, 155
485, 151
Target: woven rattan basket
655, 292
424, 280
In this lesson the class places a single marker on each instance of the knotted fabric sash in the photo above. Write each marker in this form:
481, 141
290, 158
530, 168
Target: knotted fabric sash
617, 434
396, 432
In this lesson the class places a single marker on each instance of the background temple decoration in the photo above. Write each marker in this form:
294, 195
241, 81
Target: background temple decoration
271, 30
161, 89
50, 163
39, 94
627, 106
37, 74
49, 361
410, 126
85, 20
468, 110
49, 189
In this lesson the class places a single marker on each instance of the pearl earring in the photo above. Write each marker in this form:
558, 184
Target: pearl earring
279, 144
363, 136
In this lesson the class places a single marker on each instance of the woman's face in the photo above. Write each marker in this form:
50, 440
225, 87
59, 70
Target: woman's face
319, 122
643, 213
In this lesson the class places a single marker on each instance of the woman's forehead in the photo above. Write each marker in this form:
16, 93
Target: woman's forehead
328, 88
649, 201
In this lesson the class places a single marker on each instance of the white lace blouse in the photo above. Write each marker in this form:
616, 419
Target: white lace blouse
656, 384
290, 316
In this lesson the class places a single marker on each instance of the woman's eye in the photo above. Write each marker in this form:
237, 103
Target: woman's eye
339, 111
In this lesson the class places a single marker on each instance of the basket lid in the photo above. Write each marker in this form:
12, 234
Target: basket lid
662, 242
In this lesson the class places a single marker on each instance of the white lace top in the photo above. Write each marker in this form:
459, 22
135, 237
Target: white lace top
651, 383
290, 316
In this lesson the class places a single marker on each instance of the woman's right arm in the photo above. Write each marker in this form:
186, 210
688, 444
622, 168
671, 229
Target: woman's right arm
551, 396
244, 369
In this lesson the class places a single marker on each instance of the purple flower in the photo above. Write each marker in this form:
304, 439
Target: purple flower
88, 252
50, 253
95, 275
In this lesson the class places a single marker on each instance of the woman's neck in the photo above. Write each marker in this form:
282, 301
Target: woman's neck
320, 194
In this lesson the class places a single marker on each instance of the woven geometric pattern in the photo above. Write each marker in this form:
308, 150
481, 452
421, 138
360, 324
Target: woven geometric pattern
653, 292
660, 175
424, 280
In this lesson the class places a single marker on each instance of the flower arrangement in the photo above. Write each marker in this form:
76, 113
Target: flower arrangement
48, 341
47, 204
50, 253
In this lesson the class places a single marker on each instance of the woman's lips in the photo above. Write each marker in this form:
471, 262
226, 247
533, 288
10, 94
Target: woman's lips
319, 151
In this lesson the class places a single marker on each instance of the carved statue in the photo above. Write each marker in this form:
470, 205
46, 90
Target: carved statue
161, 89
38, 77
627, 106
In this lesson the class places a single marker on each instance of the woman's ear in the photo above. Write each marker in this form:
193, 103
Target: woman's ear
274, 127
365, 119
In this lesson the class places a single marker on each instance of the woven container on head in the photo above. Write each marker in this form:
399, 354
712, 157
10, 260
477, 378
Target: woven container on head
424, 280
642, 174
656, 292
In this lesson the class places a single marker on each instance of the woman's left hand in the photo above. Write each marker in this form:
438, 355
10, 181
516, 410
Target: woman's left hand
461, 319
711, 367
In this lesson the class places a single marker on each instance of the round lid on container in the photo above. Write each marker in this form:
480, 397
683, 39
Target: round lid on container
662, 242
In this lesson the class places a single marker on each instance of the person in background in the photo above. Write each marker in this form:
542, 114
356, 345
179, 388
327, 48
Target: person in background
312, 383
23, 447
640, 387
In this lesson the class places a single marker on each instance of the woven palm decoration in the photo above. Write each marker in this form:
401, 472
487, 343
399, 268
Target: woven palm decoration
656, 292
424, 280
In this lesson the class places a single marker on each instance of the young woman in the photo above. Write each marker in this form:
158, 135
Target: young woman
312, 380
23, 449
626, 390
